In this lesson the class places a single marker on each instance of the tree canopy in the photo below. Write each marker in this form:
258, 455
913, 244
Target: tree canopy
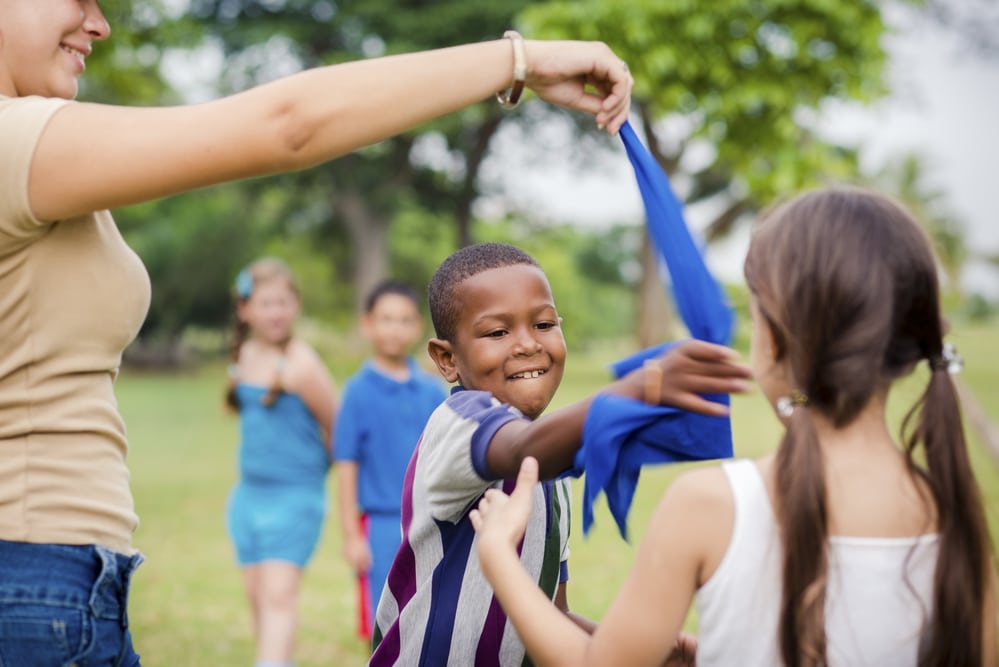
726, 95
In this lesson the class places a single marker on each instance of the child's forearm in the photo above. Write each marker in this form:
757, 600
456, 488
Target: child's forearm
679, 378
550, 635
586, 625
552, 439
347, 499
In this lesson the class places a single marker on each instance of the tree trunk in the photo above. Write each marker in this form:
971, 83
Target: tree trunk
656, 322
473, 163
369, 238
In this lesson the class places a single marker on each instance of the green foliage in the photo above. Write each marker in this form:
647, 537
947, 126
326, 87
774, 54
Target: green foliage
125, 68
192, 246
743, 75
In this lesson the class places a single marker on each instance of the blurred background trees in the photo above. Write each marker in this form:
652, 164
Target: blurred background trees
727, 98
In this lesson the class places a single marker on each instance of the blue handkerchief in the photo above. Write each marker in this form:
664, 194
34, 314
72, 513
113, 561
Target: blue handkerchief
620, 434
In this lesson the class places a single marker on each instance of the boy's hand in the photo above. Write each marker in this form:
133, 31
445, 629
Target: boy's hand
357, 553
692, 368
500, 520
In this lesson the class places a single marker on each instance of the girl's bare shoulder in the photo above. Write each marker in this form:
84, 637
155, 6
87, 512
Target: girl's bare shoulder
303, 364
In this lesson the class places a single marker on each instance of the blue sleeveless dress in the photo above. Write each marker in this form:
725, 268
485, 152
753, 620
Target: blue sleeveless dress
277, 508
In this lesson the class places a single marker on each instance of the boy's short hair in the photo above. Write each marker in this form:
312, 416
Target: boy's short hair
390, 286
461, 265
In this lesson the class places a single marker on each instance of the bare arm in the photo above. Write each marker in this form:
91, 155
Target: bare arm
562, 602
309, 378
93, 157
356, 551
643, 624
689, 369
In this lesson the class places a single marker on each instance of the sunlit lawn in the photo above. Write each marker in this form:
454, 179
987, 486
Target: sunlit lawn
187, 604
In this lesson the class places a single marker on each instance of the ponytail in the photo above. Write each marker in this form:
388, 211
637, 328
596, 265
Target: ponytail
802, 514
962, 571
241, 332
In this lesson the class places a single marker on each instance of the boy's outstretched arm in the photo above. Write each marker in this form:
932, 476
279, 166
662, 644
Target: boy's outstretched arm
677, 378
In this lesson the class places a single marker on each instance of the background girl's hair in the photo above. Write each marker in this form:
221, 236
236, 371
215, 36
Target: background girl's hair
847, 283
260, 271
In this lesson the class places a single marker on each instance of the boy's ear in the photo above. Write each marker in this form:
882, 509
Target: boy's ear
364, 325
443, 355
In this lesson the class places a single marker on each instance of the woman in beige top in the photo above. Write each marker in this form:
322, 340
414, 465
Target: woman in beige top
72, 294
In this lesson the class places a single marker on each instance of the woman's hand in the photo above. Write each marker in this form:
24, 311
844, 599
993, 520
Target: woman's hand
562, 72
500, 520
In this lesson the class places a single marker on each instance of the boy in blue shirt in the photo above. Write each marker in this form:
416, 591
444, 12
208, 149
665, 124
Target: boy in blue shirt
385, 407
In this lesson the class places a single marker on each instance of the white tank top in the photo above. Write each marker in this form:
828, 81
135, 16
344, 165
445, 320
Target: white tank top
878, 597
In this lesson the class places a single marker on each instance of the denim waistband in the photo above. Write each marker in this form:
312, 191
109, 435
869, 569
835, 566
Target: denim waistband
88, 577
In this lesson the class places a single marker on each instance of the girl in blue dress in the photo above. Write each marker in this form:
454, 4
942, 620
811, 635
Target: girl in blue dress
286, 402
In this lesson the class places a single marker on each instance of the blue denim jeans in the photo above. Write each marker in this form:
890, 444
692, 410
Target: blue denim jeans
64, 605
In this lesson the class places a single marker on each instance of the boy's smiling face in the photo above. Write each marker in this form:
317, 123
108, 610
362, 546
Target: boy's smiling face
508, 338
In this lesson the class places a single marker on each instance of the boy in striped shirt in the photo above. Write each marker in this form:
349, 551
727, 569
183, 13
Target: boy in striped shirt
498, 335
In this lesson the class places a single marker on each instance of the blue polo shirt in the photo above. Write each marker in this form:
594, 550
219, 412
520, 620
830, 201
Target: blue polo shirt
379, 423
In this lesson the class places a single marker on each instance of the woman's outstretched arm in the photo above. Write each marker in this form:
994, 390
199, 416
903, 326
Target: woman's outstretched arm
93, 157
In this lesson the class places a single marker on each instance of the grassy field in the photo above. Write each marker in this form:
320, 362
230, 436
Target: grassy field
187, 603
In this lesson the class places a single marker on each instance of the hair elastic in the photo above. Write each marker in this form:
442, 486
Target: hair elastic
949, 360
786, 404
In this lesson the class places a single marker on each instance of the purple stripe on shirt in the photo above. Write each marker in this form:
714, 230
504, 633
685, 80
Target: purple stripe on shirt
400, 580
488, 651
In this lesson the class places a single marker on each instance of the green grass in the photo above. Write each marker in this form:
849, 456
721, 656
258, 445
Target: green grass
188, 606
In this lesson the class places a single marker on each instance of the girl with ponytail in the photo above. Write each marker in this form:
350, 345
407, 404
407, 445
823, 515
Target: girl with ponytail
844, 547
286, 403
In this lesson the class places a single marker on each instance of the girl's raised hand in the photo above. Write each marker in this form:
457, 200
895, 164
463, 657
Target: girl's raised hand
500, 520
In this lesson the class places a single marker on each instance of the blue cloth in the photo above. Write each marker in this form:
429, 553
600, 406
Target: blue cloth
379, 423
65, 604
621, 435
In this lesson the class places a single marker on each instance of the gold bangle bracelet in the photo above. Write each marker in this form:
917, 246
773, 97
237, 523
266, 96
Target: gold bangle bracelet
509, 99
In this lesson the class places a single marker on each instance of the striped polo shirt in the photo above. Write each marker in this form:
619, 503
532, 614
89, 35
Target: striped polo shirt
437, 608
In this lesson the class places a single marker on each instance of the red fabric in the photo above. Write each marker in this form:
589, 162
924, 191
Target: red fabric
364, 612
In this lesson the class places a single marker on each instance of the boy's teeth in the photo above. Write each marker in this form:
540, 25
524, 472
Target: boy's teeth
530, 374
